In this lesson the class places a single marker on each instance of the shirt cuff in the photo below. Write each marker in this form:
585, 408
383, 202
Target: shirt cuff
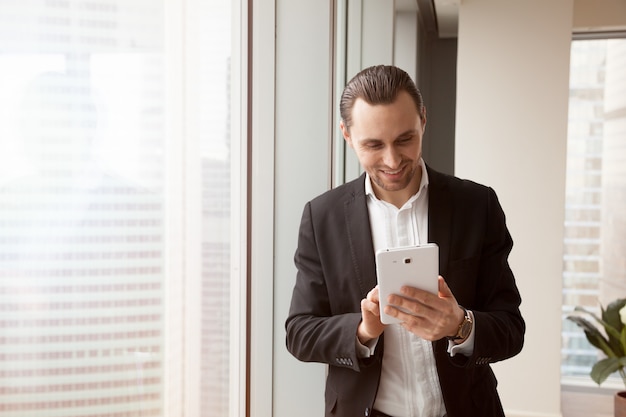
467, 347
365, 350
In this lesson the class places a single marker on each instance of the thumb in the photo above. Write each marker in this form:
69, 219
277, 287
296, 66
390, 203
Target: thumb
444, 290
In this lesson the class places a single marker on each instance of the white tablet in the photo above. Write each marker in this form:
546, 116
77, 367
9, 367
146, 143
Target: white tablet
415, 266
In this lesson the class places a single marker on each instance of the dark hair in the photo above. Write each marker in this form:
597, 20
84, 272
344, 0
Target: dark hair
379, 84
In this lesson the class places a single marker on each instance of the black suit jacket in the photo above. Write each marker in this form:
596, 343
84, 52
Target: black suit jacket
336, 269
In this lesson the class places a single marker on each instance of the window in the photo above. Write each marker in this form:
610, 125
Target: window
116, 194
595, 219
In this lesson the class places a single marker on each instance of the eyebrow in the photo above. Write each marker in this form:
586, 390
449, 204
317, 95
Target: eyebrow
403, 134
408, 132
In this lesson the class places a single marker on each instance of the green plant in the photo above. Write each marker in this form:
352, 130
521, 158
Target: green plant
612, 342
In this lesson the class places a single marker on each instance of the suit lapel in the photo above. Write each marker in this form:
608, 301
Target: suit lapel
439, 216
360, 236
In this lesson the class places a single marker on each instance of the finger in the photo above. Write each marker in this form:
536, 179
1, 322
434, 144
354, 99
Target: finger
370, 307
411, 306
414, 326
444, 290
417, 294
374, 295
419, 298
394, 312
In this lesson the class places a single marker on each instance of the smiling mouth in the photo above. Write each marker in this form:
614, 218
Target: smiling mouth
392, 173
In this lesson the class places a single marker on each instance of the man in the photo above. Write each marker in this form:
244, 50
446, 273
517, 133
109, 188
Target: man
436, 362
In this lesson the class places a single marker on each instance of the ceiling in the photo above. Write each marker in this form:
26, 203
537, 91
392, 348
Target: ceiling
447, 14
440, 15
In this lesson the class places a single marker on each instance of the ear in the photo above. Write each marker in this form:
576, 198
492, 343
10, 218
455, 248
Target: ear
345, 133
423, 120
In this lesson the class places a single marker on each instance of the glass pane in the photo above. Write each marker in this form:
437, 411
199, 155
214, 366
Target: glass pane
81, 208
213, 133
595, 219
83, 120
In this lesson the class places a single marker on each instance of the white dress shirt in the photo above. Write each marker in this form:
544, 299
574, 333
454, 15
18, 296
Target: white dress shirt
409, 384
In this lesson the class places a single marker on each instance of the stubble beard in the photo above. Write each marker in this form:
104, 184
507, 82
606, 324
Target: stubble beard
403, 183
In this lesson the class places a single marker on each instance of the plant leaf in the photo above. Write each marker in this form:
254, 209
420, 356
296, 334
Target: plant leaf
605, 367
611, 315
594, 336
612, 332
612, 318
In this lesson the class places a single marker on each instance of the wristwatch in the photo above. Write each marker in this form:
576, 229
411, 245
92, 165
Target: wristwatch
465, 328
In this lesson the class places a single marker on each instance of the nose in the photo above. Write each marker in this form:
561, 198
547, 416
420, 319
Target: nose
391, 157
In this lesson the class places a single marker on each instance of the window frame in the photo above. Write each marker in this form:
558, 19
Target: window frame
574, 386
252, 150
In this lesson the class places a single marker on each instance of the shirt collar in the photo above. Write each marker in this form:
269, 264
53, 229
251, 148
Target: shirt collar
369, 190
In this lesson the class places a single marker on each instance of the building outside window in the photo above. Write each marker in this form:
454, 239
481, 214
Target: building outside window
96, 278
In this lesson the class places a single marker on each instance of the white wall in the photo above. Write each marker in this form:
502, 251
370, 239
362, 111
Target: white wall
512, 97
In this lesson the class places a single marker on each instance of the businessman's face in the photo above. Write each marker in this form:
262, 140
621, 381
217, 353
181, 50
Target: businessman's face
387, 139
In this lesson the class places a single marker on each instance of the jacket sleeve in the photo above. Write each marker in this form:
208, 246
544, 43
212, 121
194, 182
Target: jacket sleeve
493, 296
499, 294
323, 316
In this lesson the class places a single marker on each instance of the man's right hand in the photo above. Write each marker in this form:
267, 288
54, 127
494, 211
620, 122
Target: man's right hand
370, 326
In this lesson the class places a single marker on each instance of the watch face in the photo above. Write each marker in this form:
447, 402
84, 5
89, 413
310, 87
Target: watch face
465, 329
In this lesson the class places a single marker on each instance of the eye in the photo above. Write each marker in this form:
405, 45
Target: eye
373, 145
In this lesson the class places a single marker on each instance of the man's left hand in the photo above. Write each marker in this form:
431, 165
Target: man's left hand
430, 316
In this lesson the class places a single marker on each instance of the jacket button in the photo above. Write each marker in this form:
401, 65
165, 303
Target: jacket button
367, 412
